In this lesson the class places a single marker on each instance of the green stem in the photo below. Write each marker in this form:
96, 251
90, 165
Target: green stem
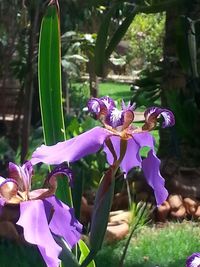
129, 193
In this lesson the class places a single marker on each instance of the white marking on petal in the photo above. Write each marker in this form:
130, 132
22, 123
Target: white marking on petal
150, 112
95, 107
109, 102
116, 117
195, 262
167, 118
2, 180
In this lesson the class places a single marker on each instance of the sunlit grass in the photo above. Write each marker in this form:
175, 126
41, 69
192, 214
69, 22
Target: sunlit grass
115, 90
162, 247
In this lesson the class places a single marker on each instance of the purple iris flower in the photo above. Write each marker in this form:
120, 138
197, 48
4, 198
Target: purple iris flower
117, 126
193, 260
41, 214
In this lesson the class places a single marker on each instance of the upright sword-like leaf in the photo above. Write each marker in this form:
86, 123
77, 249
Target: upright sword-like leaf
50, 91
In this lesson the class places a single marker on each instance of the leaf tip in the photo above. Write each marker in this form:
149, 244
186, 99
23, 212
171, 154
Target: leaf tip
53, 2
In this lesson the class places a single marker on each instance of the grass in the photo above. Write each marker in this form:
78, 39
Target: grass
155, 247
115, 90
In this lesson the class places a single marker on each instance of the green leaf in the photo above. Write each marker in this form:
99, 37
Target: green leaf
84, 253
103, 202
193, 47
67, 257
49, 73
118, 35
102, 205
99, 55
101, 211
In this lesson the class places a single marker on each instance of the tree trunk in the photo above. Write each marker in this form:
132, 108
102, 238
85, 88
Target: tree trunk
93, 79
179, 146
28, 84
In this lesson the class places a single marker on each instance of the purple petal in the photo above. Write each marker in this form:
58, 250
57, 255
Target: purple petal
97, 107
128, 106
64, 223
108, 101
8, 188
151, 115
115, 118
60, 169
36, 231
151, 170
193, 260
128, 118
71, 150
2, 203
144, 139
22, 174
132, 157
16, 173
40, 193
27, 174
168, 117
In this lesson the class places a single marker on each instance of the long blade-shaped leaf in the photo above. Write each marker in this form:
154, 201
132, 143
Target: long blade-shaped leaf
102, 41
50, 78
49, 72
120, 32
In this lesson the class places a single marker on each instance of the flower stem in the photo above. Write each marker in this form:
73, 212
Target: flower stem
129, 193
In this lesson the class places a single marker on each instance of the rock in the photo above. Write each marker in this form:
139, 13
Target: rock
197, 212
163, 211
116, 231
190, 205
175, 202
177, 209
181, 180
180, 213
120, 216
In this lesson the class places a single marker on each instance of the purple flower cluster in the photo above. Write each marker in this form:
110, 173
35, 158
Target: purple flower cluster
117, 127
41, 214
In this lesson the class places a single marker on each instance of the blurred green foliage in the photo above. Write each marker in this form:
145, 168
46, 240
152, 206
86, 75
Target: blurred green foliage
145, 35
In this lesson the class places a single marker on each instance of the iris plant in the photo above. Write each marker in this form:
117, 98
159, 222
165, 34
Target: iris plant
118, 137
193, 260
40, 213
